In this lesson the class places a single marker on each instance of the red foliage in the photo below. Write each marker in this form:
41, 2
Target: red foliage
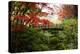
44, 22
18, 28
23, 18
35, 21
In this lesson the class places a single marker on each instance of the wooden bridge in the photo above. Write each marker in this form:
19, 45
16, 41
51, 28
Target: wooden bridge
51, 29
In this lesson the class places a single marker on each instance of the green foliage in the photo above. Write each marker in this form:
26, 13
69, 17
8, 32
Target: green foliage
38, 40
29, 40
40, 47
